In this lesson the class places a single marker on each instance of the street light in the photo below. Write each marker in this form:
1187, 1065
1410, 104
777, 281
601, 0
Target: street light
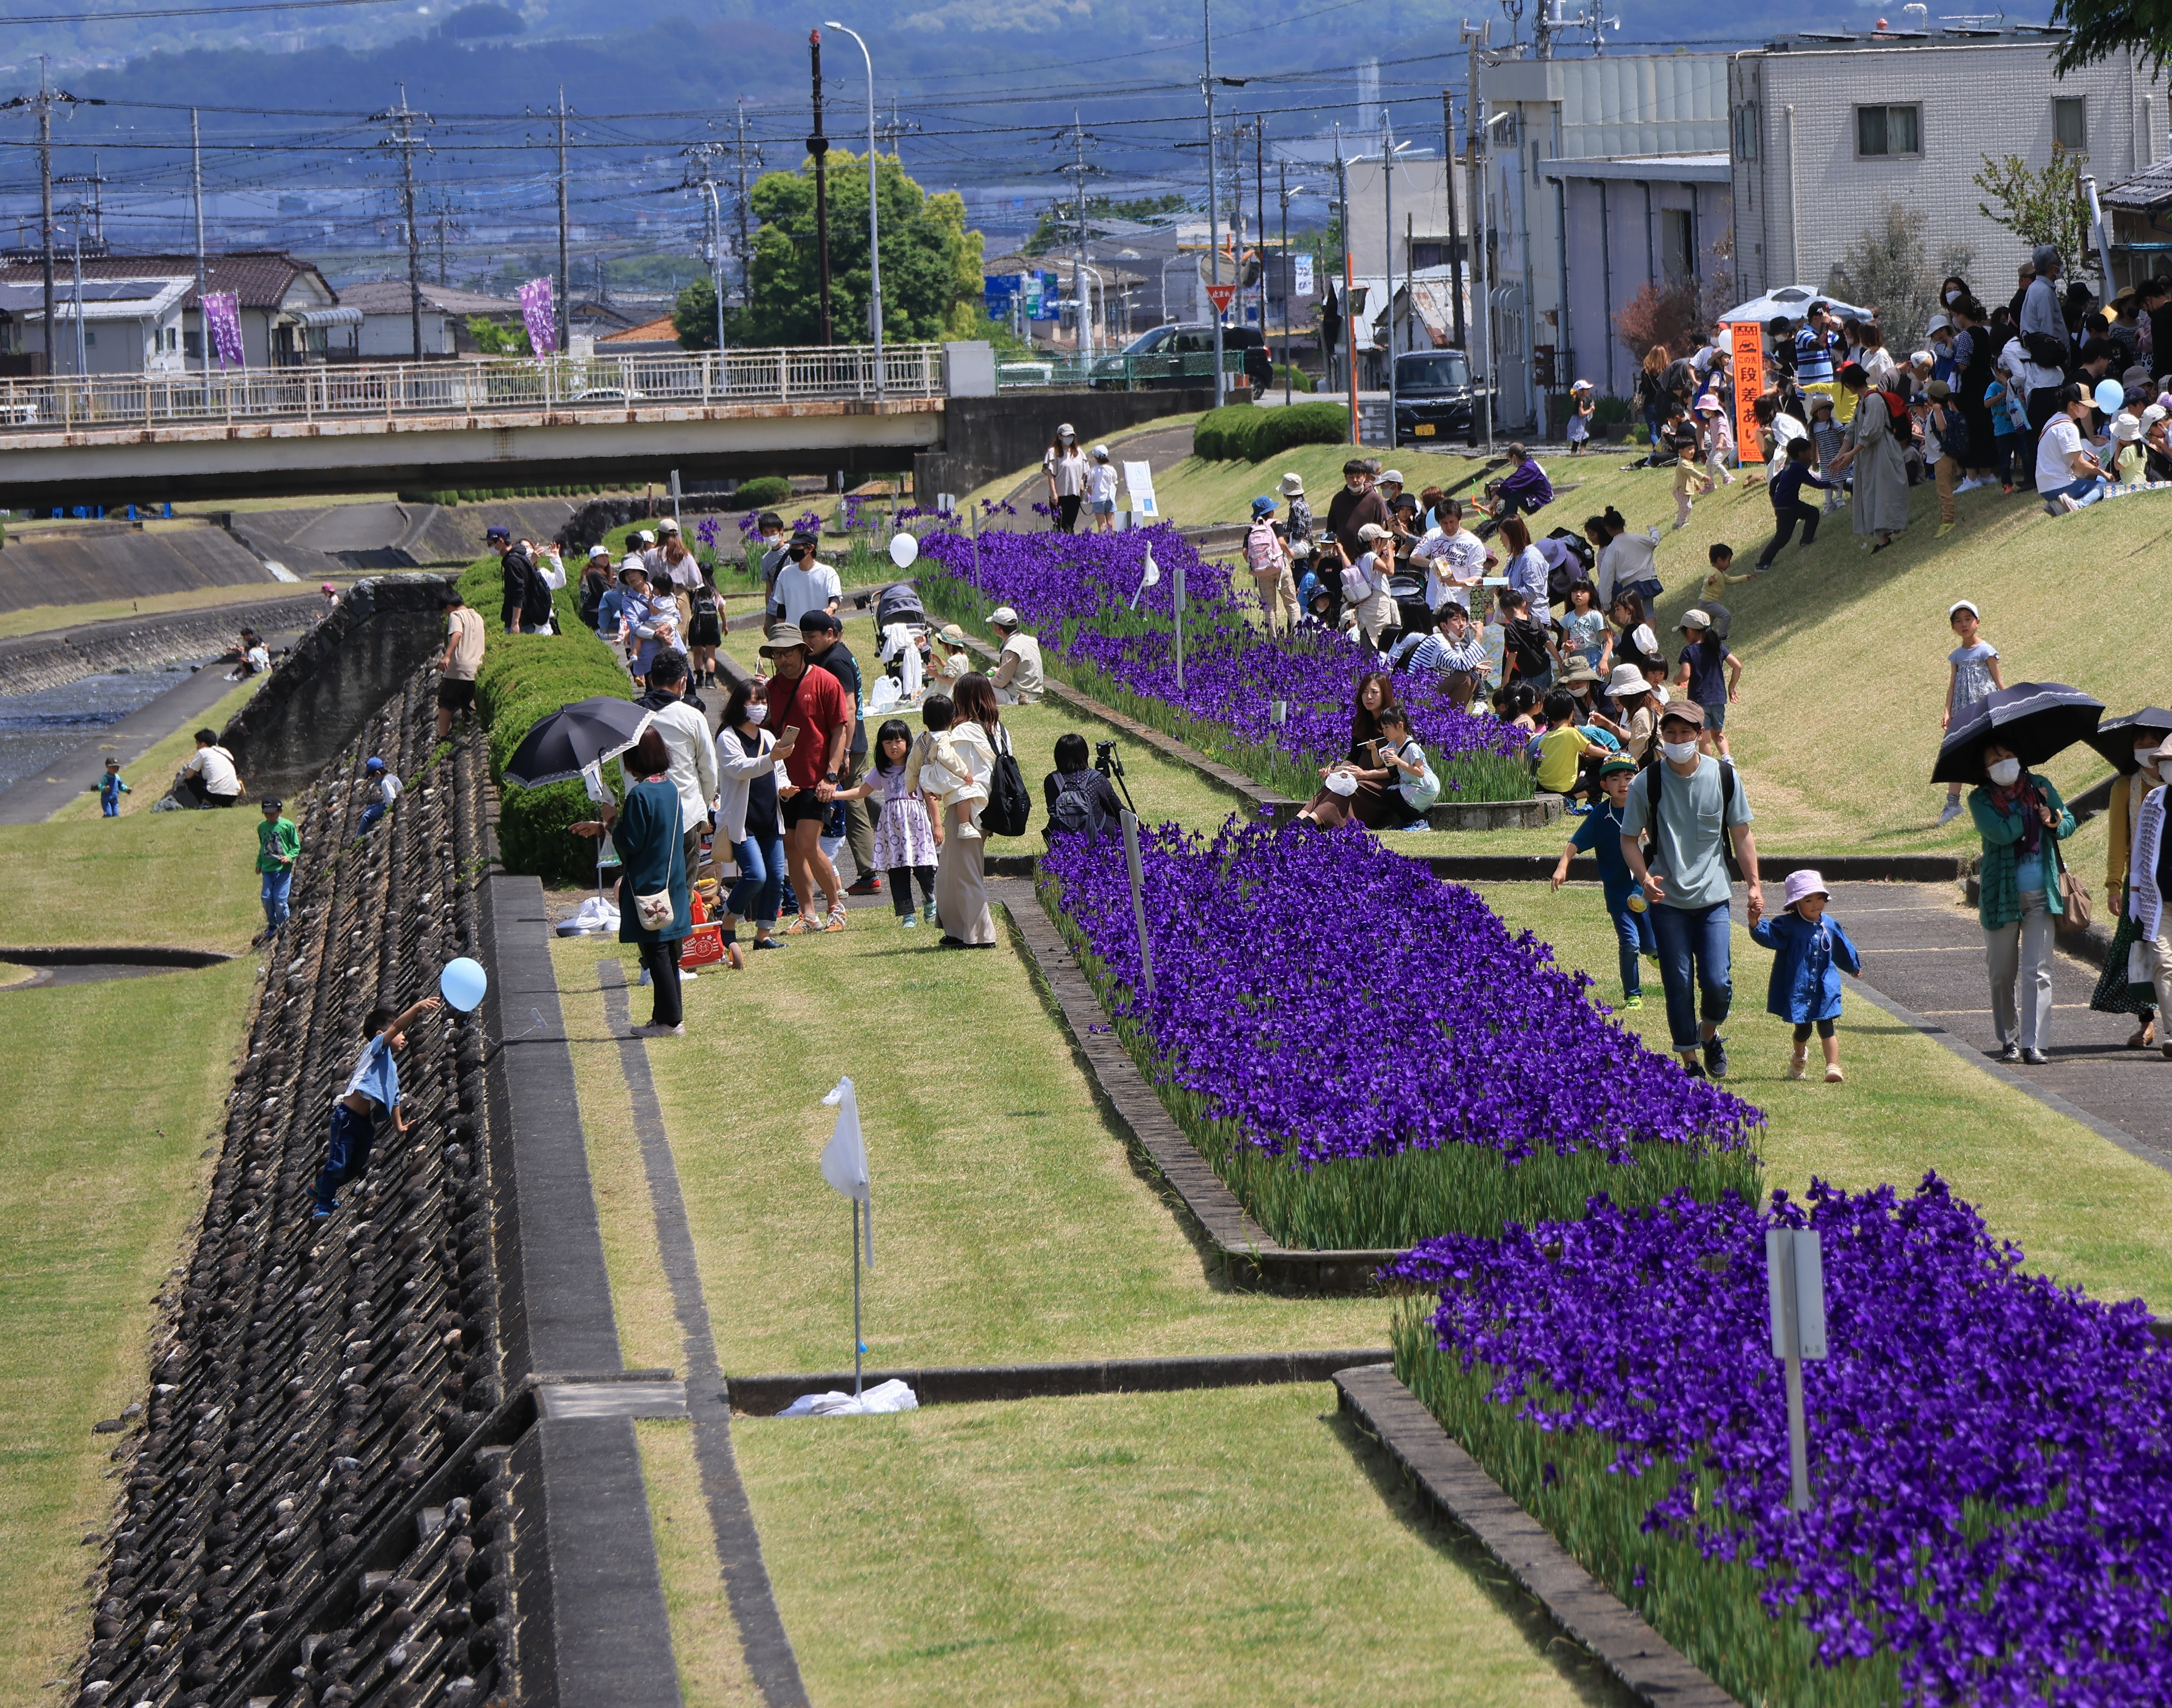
874, 235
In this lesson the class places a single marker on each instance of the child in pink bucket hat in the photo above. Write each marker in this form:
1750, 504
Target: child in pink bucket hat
1810, 952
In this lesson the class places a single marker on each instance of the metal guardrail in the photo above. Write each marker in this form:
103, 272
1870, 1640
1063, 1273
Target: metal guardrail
363, 391
1117, 373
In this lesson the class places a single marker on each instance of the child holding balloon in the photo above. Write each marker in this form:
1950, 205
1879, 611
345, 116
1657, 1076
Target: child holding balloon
374, 1086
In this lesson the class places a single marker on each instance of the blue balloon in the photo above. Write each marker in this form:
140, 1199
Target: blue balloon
2111, 397
463, 984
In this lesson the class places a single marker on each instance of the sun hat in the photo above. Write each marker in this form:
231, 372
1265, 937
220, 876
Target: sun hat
1263, 506
1626, 681
952, 633
1341, 783
1939, 323
1617, 767
1693, 620
782, 637
1292, 486
1101, 454
2126, 427
327, 587
1581, 385
1804, 882
1578, 671
1940, 390
1960, 606
1711, 406
1683, 711
373, 764
1003, 617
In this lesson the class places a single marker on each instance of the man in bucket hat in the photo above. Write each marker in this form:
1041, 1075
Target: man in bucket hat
1691, 806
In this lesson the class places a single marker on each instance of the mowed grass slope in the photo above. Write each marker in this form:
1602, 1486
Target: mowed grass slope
1246, 1547
185, 880
113, 1094
150, 776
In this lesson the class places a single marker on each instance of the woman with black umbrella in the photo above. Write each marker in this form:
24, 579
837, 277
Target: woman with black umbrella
648, 834
2018, 901
2131, 745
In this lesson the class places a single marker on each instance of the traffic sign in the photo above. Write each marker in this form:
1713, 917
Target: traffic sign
1220, 296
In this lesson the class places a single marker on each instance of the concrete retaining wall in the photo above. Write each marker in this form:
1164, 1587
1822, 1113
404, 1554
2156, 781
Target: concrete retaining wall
984, 436
145, 643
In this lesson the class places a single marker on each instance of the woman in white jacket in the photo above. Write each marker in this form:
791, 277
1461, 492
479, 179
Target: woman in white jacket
750, 772
958, 770
1627, 561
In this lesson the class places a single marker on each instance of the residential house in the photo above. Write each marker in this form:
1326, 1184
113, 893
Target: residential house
650, 338
386, 328
127, 325
1826, 128
288, 313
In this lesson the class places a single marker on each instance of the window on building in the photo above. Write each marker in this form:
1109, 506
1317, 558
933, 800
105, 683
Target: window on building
1880, 131
1678, 244
1746, 123
2070, 127
1428, 255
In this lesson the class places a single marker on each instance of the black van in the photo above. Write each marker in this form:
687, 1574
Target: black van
1183, 355
1434, 397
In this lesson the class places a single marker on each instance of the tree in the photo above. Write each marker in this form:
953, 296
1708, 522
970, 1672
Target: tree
1888, 270
1662, 314
493, 339
2038, 208
1053, 229
931, 263
2098, 28
694, 315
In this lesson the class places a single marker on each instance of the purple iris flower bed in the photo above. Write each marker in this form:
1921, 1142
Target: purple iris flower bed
1371, 1057
1990, 1455
1074, 593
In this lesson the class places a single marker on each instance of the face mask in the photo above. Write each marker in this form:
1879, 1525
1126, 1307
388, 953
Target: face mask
2006, 772
2146, 757
1952, 298
1678, 752
756, 714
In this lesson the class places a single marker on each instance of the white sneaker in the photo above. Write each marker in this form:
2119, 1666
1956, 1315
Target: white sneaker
2069, 503
687, 976
678, 1031
1951, 811
1969, 485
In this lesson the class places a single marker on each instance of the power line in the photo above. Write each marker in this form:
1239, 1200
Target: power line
187, 11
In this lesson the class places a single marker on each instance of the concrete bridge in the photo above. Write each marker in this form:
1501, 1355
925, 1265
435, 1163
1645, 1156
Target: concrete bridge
560, 421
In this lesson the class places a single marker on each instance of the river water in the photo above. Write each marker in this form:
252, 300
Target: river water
39, 730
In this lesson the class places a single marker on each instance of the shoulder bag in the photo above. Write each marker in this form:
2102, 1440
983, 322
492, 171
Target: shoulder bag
2079, 911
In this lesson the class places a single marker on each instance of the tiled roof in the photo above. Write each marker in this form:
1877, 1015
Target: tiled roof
2144, 191
260, 277
660, 331
390, 297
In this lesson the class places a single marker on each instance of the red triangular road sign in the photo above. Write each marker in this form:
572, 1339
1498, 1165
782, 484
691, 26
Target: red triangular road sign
1220, 296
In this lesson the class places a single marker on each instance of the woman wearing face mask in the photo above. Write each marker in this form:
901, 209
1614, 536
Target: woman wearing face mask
2022, 821
2114, 994
750, 772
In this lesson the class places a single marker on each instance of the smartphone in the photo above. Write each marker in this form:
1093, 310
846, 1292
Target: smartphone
791, 731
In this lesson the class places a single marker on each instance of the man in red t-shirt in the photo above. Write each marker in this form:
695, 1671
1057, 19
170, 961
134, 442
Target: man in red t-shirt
815, 704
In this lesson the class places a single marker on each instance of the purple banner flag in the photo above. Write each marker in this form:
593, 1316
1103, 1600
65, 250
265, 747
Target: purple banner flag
221, 316
537, 308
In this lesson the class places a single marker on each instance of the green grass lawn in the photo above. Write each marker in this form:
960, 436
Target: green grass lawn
181, 879
152, 776
113, 1092
1241, 1547
2084, 1210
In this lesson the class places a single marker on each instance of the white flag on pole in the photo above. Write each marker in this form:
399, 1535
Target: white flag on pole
1151, 579
845, 1157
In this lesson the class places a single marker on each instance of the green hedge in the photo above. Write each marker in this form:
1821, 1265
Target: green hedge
523, 679
763, 493
1245, 433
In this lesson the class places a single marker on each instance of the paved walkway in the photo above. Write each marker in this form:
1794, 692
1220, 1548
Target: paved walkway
1923, 949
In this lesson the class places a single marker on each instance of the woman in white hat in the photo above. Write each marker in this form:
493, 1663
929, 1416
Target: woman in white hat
1297, 515
1581, 407
1067, 468
1365, 585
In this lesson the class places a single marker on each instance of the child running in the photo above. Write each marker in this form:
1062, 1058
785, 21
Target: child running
110, 789
905, 839
1579, 422
1718, 442
1973, 675
1600, 836
1788, 506
1810, 951
1681, 435
374, 1086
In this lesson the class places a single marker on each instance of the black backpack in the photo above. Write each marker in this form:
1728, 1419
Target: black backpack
1075, 811
1009, 808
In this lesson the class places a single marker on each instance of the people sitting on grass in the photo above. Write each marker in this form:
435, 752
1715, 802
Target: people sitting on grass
1017, 678
1525, 490
1357, 787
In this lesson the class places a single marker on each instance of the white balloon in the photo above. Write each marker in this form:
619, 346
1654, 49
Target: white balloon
904, 549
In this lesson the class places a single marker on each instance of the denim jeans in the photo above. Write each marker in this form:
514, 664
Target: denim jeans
1632, 935
1694, 959
346, 1154
274, 896
2086, 490
370, 814
760, 886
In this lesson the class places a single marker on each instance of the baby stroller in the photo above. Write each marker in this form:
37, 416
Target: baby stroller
901, 629
900, 602
1407, 588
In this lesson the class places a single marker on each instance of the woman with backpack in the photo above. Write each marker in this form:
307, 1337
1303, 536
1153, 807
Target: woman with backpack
1874, 456
962, 770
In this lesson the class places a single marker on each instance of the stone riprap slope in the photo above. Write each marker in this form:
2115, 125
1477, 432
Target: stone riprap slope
311, 1512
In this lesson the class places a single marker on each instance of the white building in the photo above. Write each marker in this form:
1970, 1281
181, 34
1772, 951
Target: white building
128, 325
1824, 130
386, 330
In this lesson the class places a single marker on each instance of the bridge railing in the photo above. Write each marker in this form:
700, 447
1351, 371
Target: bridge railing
357, 391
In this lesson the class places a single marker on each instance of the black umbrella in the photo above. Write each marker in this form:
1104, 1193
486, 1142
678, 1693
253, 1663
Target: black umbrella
559, 748
2116, 740
2036, 719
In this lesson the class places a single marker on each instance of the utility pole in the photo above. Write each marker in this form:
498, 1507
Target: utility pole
565, 277
712, 222
746, 246
403, 120
1214, 194
1282, 173
43, 101
818, 145
1388, 187
1260, 211
1078, 170
1480, 316
1349, 284
1455, 243
203, 320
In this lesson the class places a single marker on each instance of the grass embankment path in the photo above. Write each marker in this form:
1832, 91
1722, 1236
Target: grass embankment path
151, 773
114, 1092
38, 620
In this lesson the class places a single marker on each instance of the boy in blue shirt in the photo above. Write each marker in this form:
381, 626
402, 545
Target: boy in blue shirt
374, 1086
110, 789
1788, 506
1600, 836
